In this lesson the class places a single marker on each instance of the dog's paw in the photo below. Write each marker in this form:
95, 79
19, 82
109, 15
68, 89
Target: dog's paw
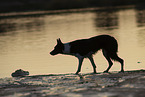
95, 72
122, 71
105, 72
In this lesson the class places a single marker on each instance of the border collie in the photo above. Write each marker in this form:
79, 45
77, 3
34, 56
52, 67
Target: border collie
85, 48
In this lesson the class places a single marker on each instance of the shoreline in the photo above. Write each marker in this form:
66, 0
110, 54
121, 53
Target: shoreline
129, 83
44, 12
33, 5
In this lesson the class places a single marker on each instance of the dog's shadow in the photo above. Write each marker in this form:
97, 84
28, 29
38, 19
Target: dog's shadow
83, 77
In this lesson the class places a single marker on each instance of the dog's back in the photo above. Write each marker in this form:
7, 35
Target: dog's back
84, 46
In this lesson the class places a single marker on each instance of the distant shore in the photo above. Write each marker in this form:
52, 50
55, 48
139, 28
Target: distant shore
44, 12
39, 5
113, 84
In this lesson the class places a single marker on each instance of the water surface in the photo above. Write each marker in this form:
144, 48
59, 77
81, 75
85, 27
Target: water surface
25, 42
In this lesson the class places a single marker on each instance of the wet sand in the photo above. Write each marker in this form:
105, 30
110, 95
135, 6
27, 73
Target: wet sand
114, 84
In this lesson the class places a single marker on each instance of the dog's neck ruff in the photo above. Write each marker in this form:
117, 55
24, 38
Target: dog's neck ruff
66, 48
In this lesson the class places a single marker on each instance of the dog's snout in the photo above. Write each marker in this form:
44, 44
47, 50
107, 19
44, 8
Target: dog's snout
53, 53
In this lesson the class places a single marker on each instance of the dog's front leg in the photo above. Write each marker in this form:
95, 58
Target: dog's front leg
93, 63
80, 58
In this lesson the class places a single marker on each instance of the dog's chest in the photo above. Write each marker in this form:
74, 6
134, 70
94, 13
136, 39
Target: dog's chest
66, 48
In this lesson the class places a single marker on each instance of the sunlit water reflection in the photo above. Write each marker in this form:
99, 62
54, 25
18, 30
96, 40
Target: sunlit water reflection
25, 42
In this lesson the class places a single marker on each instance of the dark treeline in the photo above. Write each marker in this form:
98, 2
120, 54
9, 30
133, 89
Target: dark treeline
34, 5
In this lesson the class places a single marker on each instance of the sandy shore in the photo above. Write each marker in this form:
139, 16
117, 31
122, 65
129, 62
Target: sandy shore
114, 84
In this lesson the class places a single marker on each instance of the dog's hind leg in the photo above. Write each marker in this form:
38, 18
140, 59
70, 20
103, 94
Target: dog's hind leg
80, 58
106, 55
114, 56
93, 63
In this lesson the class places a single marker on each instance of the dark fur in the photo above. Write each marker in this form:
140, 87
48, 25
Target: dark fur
82, 48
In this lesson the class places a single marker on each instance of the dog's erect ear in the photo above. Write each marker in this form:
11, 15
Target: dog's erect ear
59, 41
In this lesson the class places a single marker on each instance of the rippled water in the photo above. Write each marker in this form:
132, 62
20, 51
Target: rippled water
25, 42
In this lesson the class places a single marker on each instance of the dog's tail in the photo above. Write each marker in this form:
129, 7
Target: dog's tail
115, 57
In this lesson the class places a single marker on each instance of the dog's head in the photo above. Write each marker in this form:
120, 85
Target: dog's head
58, 48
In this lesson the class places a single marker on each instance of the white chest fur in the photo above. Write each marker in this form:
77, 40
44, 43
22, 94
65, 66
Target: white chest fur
66, 48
